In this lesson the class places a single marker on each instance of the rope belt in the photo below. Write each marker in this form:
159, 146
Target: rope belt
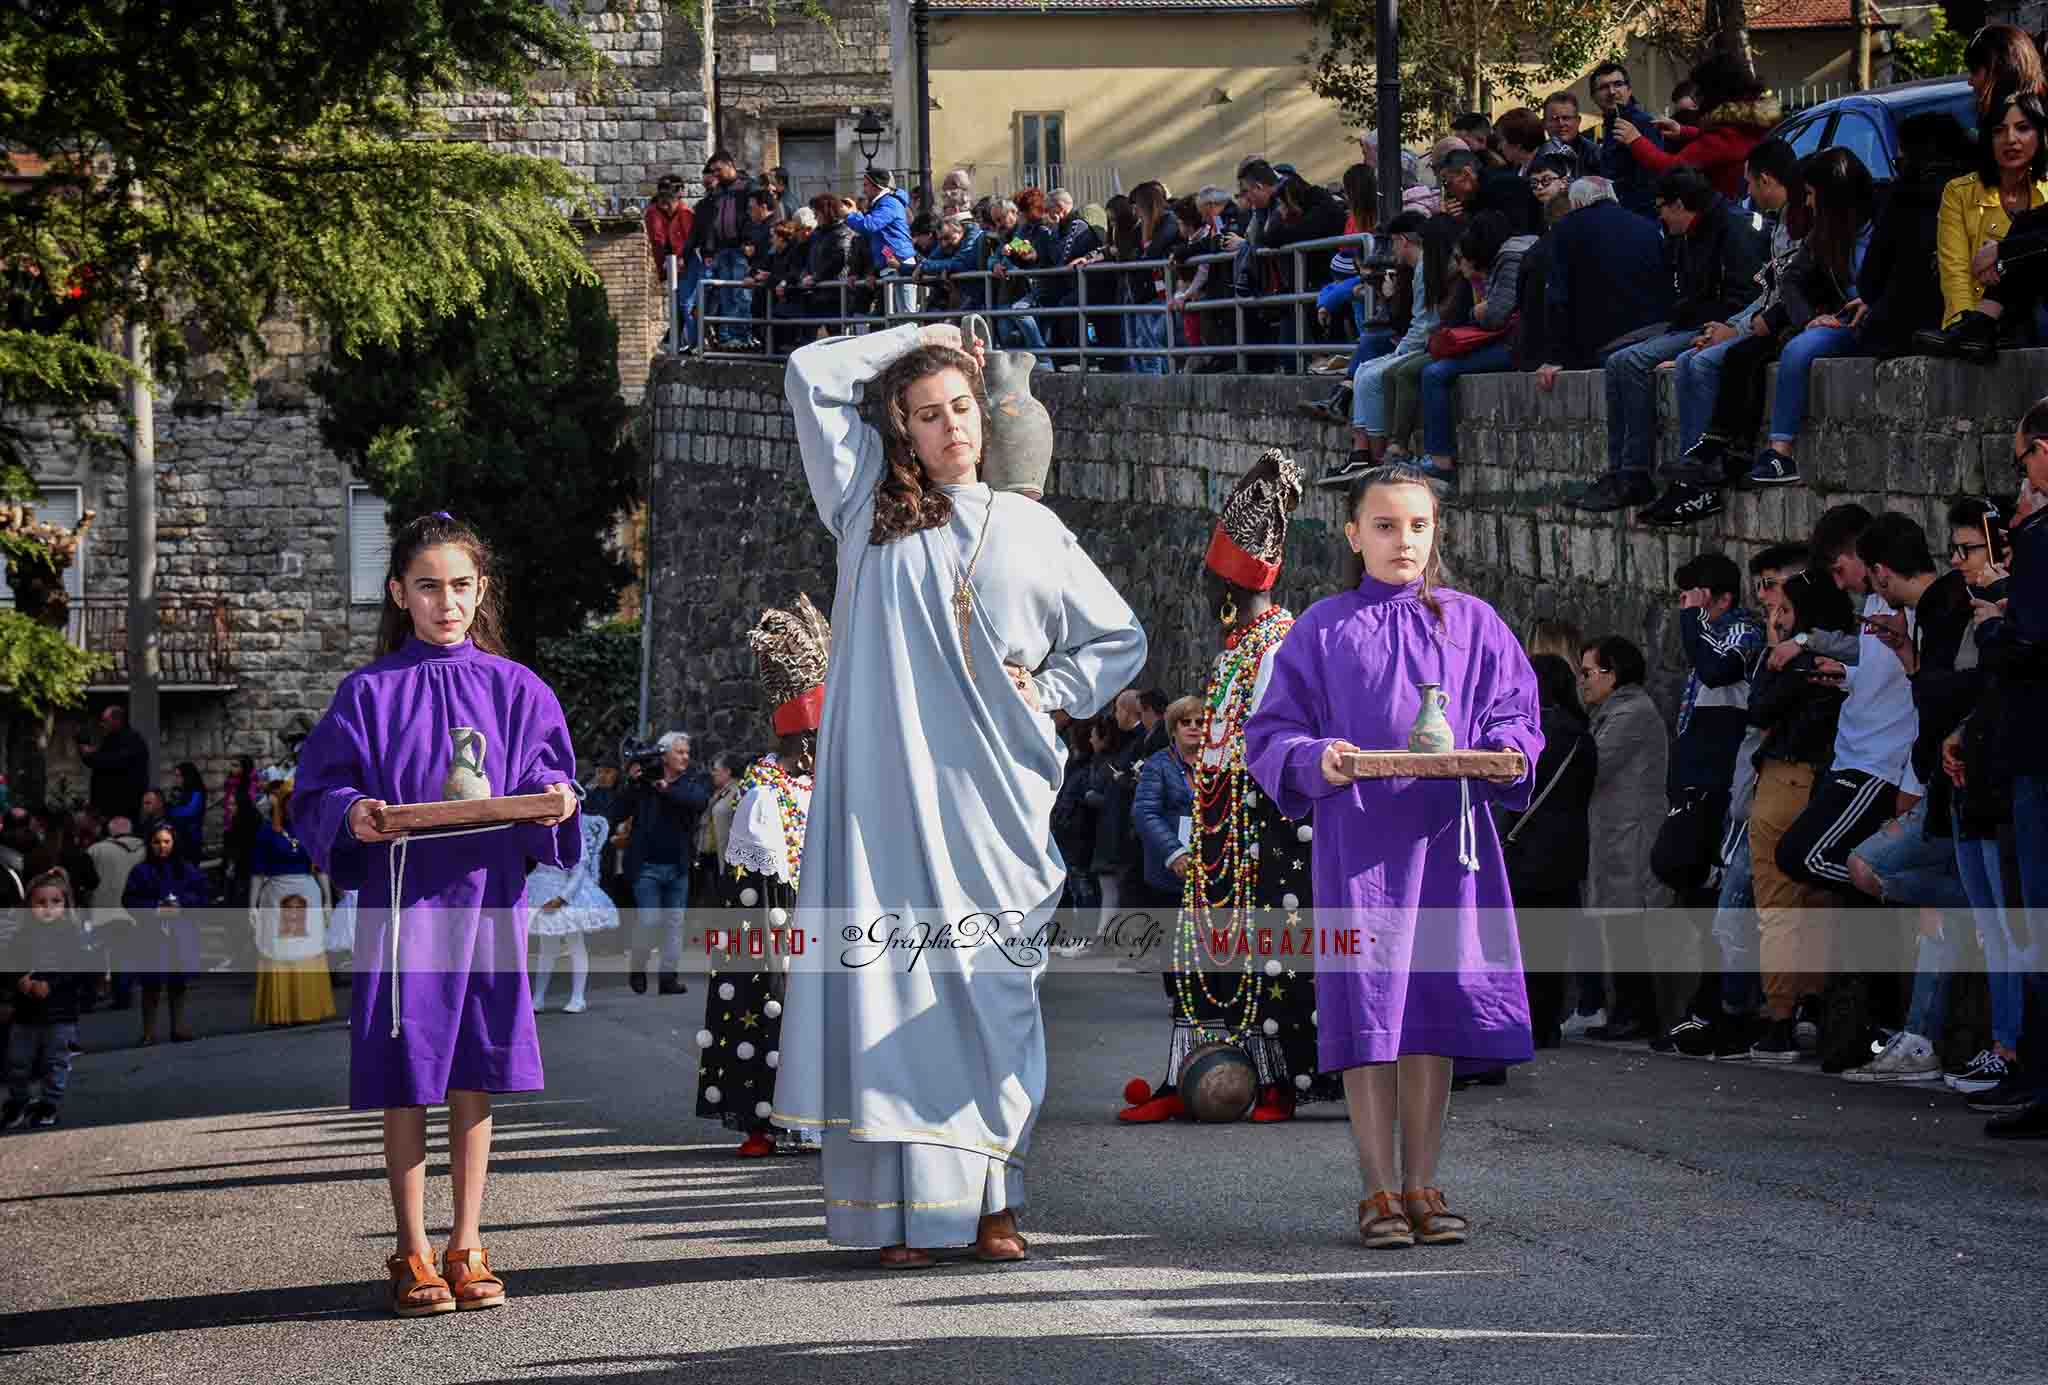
398, 850
1468, 830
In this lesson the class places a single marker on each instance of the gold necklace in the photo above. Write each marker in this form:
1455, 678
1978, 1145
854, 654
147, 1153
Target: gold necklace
963, 590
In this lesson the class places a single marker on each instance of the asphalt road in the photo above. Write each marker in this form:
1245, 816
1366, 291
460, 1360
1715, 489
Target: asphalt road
210, 1211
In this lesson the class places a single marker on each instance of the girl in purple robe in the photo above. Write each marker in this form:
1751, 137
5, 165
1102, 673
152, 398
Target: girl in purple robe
440, 1009
1417, 963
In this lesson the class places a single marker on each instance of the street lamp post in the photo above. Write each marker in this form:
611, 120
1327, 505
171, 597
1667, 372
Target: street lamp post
868, 134
921, 19
1387, 63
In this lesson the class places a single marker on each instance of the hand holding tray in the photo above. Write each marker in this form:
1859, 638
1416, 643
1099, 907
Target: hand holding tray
1450, 764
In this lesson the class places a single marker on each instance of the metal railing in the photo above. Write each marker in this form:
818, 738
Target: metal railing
195, 643
889, 289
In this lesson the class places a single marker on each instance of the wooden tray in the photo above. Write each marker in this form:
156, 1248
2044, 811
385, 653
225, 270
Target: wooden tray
1454, 764
465, 812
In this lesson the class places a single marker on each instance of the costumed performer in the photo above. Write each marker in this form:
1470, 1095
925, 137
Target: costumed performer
440, 1009
1417, 961
739, 1045
1252, 870
561, 907
962, 618
287, 914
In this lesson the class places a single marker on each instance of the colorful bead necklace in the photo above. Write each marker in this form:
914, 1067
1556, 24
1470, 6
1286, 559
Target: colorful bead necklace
1222, 809
771, 775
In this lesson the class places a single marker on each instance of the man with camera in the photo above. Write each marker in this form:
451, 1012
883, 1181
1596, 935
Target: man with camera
665, 798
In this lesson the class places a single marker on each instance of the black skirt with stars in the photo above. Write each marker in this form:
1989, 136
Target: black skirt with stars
743, 1011
1285, 975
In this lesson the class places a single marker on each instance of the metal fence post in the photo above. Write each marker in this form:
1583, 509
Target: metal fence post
1081, 316
675, 317
1300, 311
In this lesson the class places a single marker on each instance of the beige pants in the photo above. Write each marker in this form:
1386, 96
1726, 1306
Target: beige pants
1795, 929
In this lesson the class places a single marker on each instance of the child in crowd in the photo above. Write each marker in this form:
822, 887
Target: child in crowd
50, 979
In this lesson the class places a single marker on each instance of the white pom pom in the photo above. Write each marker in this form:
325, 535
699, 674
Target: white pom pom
786, 960
1304, 833
703, 1038
1254, 852
750, 896
744, 1052
773, 1009
1301, 1081
762, 1109
1290, 901
1273, 966
713, 1095
778, 916
774, 1058
1312, 1017
1271, 1027
725, 990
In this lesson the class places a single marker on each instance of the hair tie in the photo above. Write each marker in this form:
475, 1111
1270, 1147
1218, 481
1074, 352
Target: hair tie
443, 514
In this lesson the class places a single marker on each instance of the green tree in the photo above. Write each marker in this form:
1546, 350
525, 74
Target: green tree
1454, 51
1938, 54
596, 674
508, 416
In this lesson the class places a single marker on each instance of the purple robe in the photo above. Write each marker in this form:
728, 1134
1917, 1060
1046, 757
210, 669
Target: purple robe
1415, 953
467, 1012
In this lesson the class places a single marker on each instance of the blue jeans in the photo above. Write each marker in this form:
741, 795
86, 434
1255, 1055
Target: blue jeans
1735, 929
1699, 380
1632, 401
1021, 331
1788, 408
1440, 394
2006, 963
40, 1053
686, 297
730, 302
1147, 329
1373, 343
1369, 394
660, 894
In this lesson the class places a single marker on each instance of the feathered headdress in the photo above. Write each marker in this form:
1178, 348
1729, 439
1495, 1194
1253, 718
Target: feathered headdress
1251, 535
791, 650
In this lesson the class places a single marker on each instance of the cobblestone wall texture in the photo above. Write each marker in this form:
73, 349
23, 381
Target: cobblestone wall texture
649, 115
1141, 465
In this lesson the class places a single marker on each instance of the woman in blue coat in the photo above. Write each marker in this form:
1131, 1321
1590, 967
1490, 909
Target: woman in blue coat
164, 896
1163, 807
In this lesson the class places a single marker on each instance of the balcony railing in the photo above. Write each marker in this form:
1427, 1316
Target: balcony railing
196, 646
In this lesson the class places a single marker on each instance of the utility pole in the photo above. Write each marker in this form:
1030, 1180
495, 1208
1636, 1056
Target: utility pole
1859, 20
921, 22
1387, 68
143, 664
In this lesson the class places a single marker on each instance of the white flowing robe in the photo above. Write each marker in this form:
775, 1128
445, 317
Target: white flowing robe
933, 802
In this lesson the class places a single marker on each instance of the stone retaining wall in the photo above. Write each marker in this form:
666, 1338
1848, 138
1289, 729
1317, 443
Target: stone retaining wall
1142, 463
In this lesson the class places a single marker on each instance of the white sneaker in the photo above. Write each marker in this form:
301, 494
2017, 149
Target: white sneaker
575, 1007
1576, 1026
1907, 1058
540, 1006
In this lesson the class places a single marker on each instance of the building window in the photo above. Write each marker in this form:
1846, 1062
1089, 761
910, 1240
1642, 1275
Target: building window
1041, 148
60, 505
369, 546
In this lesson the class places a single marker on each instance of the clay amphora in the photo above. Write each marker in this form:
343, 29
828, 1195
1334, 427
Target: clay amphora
1017, 452
466, 777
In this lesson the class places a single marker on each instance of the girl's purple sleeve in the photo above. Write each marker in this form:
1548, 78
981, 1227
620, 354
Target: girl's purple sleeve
329, 780
552, 761
1511, 717
1284, 740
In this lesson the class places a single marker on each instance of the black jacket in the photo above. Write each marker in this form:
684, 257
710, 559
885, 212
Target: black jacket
830, 257
1113, 780
1717, 263
657, 810
1532, 339
1797, 715
705, 235
1810, 289
1505, 191
1552, 844
56, 953
1942, 694
120, 772
1322, 217
1902, 297
1609, 276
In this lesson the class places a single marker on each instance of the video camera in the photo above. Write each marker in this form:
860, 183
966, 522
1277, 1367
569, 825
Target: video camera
646, 754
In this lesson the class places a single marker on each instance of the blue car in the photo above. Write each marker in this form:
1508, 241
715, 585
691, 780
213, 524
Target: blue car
1867, 122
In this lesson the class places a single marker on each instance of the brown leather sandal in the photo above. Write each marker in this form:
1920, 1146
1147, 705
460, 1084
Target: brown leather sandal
1388, 1228
996, 1240
470, 1278
416, 1291
1437, 1225
905, 1258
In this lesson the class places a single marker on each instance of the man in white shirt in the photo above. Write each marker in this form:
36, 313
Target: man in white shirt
1872, 778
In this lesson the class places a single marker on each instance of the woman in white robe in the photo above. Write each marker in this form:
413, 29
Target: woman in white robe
961, 619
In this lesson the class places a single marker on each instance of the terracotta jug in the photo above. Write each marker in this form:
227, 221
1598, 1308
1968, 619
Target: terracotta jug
1431, 733
1017, 453
466, 778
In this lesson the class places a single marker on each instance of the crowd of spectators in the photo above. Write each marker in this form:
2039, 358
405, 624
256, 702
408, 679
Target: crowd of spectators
1835, 856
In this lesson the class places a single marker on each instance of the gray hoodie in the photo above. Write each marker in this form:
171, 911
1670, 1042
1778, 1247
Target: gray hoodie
1503, 284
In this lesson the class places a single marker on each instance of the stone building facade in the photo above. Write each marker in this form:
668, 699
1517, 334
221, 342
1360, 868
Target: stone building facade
1142, 463
789, 89
623, 129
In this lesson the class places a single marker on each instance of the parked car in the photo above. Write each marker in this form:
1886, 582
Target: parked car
1866, 123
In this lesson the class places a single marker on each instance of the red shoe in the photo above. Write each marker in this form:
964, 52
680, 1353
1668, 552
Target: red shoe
1275, 1104
1159, 1108
758, 1145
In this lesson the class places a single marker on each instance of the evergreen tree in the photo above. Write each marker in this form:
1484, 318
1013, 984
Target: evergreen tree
509, 417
